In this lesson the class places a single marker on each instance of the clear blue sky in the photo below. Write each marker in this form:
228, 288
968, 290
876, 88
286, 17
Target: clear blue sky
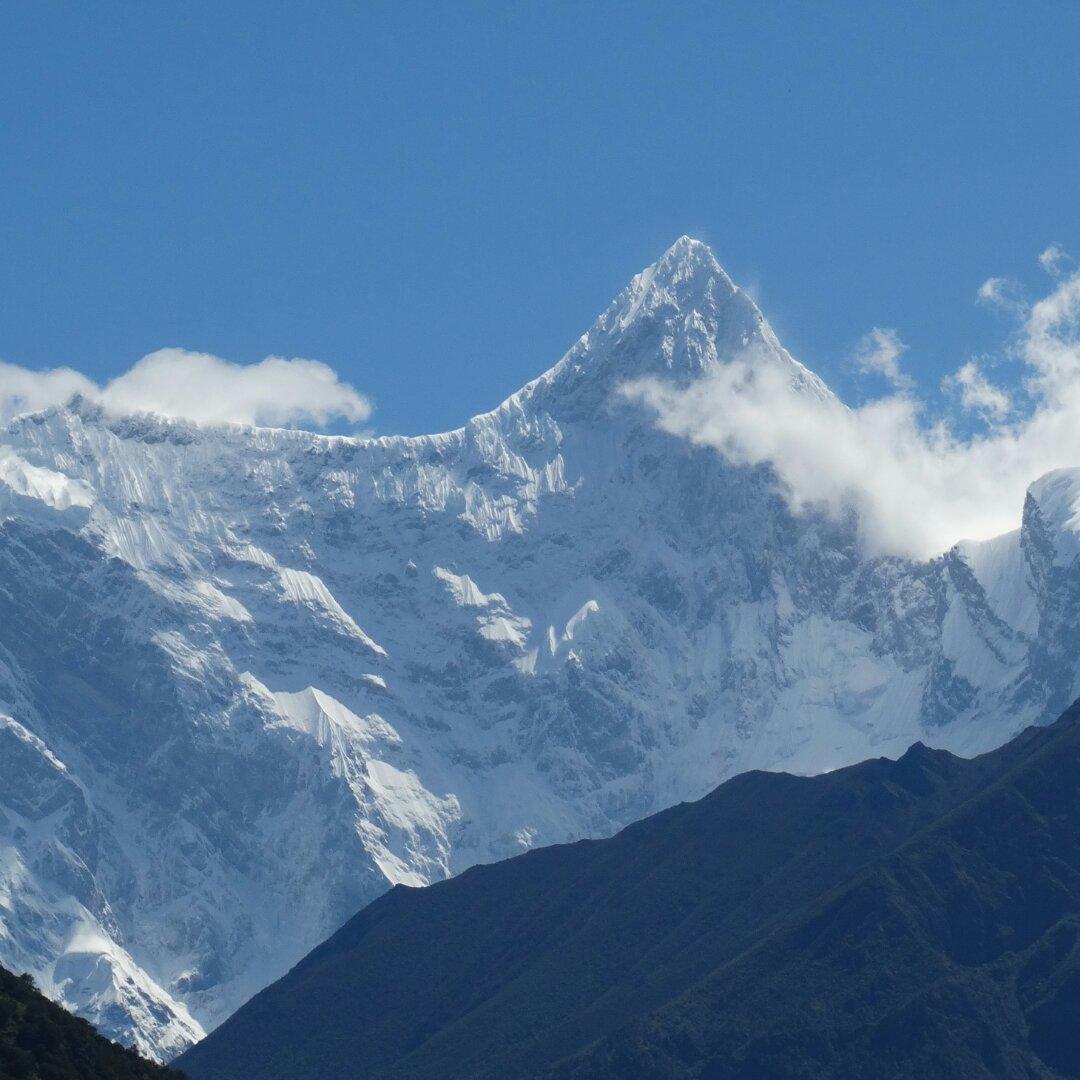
436, 199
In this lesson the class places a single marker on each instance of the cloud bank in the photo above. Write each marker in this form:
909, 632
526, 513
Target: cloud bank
916, 487
172, 382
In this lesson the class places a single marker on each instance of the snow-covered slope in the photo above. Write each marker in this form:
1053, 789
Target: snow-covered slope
249, 678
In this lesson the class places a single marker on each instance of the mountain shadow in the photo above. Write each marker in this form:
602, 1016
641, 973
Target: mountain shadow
910, 918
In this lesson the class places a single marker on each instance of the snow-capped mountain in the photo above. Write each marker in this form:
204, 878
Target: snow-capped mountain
249, 678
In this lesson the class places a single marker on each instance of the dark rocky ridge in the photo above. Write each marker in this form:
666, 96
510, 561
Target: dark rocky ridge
895, 919
41, 1041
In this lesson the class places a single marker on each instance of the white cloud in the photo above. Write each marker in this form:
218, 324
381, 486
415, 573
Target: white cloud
274, 392
978, 394
1054, 259
22, 390
878, 353
1001, 292
917, 488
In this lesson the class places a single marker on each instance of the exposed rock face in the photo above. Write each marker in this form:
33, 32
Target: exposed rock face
251, 678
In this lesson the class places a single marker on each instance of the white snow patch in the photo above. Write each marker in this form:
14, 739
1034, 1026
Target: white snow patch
301, 587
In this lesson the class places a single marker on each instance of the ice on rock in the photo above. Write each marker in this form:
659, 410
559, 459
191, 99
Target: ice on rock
251, 678
1055, 498
300, 587
32, 492
464, 590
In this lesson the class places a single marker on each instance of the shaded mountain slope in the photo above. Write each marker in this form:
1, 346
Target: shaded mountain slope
958, 955
780, 926
42, 1041
251, 679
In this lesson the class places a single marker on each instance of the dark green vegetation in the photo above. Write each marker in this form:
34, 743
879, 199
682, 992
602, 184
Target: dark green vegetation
918, 918
41, 1041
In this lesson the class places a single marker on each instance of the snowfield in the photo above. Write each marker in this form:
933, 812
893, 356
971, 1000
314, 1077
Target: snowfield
250, 678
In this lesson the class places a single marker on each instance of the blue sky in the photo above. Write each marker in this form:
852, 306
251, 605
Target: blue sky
436, 199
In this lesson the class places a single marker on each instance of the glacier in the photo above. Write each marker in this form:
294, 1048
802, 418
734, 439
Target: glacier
250, 678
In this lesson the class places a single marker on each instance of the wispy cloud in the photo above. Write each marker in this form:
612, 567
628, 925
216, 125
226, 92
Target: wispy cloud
1001, 292
172, 382
977, 393
917, 487
1054, 259
878, 353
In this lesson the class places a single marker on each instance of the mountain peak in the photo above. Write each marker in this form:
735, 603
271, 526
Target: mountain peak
689, 247
677, 319
688, 274
690, 252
